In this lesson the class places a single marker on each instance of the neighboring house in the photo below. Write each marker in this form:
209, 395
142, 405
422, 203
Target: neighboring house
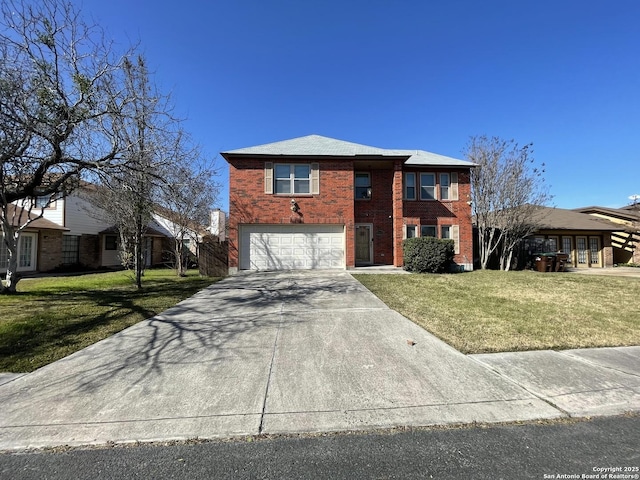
72, 233
39, 243
626, 240
587, 240
317, 202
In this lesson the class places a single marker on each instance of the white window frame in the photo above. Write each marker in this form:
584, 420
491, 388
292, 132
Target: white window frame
410, 184
294, 182
433, 187
408, 228
445, 188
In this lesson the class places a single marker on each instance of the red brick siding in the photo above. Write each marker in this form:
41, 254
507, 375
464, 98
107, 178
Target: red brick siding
335, 204
377, 211
445, 212
249, 204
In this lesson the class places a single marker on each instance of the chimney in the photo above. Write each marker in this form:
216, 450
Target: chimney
218, 226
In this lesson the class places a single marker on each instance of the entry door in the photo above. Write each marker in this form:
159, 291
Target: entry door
582, 251
27, 247
363, 244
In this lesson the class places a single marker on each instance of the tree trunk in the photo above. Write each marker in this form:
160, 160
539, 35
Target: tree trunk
180, 270
11, 238
138, 259
12, 277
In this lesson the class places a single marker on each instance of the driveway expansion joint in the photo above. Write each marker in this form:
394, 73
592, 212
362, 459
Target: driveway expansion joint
273, 356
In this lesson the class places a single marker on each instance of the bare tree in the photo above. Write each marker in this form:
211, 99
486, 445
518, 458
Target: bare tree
187, 195
146, 131
58, 101
506, 188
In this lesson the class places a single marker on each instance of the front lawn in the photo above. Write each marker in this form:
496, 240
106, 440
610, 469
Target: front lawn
50, 318
493, 311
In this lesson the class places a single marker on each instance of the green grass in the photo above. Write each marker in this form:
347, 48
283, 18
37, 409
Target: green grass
50, 318
493, 311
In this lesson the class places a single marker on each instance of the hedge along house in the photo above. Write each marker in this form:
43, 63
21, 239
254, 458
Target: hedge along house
318, 202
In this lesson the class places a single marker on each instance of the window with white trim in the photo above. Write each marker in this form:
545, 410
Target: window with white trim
410, 231
292, 178
445, 231
427, 186
409, 186
445, 186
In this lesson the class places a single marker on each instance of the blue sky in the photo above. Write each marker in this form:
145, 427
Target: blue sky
421, 74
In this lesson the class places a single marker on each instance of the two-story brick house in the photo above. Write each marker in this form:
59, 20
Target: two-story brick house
317, 202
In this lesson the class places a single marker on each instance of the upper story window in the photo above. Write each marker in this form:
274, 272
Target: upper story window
427, 186
445, 186
409, 186
363, 186
45, 201
292, 178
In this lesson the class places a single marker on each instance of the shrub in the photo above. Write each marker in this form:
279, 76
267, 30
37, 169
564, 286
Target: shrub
428, 255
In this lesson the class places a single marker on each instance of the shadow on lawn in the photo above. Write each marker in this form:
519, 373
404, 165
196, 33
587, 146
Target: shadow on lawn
64, 331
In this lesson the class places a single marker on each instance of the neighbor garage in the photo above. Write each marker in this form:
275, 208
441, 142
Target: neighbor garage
285, 247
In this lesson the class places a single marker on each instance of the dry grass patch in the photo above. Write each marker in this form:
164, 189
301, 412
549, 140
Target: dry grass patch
492, 311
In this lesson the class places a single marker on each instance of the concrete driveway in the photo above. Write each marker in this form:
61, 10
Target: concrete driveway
260, 353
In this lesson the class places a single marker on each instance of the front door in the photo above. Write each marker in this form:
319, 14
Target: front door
363, 245
582, 252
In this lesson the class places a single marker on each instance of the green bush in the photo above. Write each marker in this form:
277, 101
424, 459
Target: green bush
428, 255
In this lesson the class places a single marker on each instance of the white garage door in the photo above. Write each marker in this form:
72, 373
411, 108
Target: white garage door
284, 247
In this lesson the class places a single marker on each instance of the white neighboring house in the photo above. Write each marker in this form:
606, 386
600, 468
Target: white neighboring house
71, 234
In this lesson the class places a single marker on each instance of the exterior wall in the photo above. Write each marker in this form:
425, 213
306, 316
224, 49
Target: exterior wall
445, 212
81, 217
49, 250
386, 210
89, 251
55, 211
378, 211
625, 243
249, 204
110, 258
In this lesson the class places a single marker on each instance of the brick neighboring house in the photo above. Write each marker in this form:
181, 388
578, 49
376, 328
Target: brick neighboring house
318, 202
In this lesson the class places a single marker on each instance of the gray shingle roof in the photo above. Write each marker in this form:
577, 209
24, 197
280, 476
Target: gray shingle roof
316, 145
561, 219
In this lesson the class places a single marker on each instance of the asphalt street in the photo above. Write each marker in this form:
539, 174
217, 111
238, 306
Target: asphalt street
601, 448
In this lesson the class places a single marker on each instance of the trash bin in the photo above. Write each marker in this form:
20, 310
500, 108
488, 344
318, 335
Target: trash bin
544, 263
